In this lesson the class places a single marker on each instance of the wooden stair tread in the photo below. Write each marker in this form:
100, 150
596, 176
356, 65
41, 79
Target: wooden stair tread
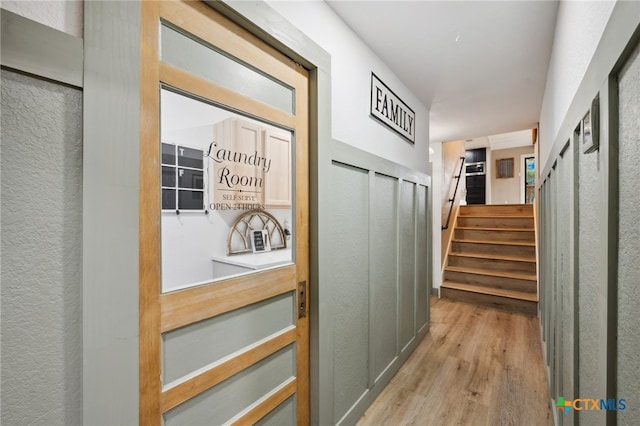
496, 215
475, 206
494, 257
512, 294
505, 243
497, 266
496, 206
474, 228
501, 274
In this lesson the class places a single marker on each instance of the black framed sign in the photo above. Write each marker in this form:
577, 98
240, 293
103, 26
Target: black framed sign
260, 241
390, 110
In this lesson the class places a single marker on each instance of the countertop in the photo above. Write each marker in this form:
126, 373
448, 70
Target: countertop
264, 260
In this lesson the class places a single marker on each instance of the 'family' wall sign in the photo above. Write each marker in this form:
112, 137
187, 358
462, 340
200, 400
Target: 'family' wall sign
390, 110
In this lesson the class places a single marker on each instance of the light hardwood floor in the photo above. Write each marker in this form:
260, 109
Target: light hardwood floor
476, 366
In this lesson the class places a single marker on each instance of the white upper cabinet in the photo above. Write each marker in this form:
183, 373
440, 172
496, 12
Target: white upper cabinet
251, 165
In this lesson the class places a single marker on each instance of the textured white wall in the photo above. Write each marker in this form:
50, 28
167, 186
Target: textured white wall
508, 190
436, 212
41, 252
65, 15
579, 27
351, 65
450, 153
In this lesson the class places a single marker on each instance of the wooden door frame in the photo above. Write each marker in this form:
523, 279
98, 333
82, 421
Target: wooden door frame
111, 122
268, 25
159, 312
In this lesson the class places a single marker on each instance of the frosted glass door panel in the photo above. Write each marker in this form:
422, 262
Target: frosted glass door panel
203, 60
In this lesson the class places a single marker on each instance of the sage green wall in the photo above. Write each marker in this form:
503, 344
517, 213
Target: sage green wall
628, 357
591, 313
589, 233
41, 303
375, 300
349, 282
110, 319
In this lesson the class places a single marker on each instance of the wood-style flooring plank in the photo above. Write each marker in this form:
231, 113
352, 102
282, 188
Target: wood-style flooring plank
476, 366
407, 406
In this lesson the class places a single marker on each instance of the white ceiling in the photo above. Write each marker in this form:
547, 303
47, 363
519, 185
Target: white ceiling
501, 141
479, 66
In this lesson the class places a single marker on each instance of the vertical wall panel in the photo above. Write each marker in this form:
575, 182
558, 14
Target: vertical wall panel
589, 269
549, 274
559, 283
41, 303
384, 267
378, 276
550, 277
553, 313
628, 356
407, 263
350, 278
542, 251
422, 253
565, 317
561, 280
110, 249
575, 254
546, 240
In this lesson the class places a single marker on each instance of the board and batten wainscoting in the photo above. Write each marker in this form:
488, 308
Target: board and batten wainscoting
374, 290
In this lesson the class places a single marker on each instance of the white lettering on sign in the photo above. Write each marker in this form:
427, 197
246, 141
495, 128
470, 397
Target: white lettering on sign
391, 110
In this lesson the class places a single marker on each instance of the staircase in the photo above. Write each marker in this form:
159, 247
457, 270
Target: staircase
492, 259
